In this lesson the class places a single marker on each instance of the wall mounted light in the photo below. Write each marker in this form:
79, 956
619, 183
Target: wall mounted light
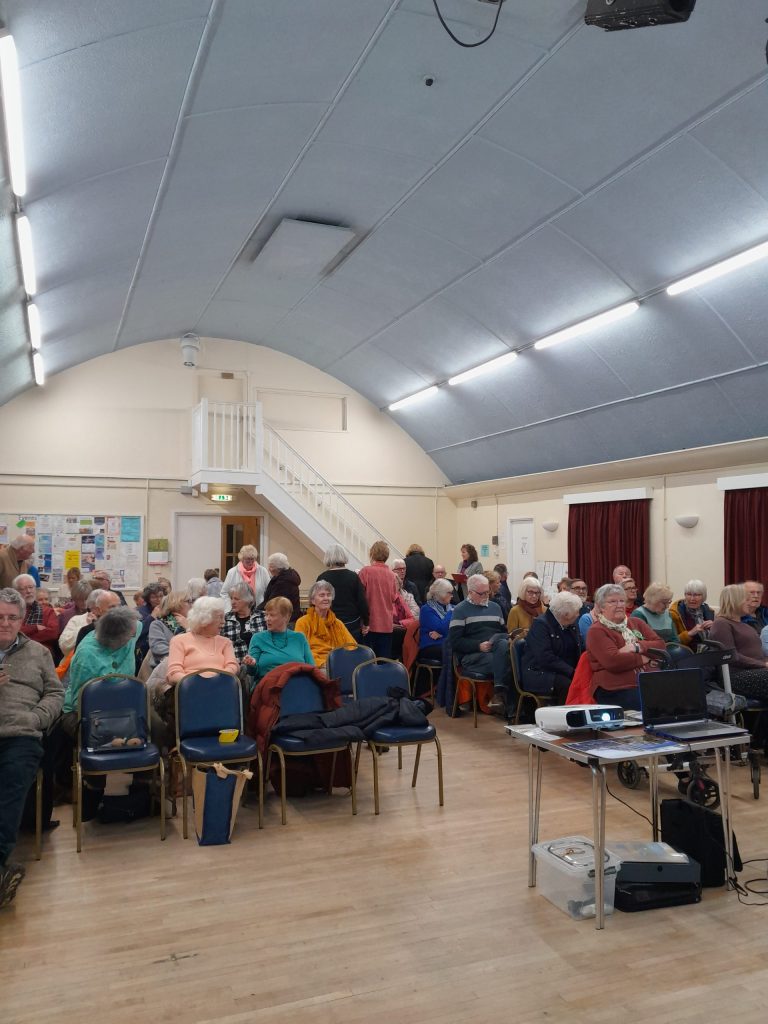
687, 522
550, 526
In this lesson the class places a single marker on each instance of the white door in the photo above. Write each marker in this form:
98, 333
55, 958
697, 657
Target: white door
521, 554
198, 546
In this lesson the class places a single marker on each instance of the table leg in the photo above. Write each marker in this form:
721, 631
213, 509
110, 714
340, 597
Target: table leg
598, 817
534, 805
653, 776
723, 762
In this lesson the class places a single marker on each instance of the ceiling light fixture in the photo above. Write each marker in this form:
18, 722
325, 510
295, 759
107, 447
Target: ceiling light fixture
479, 371
33, 319
9, 76
601, 320
743, 259
37, 364
24, 234
411, 399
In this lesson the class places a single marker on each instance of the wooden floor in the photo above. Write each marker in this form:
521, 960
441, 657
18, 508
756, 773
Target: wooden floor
421, 914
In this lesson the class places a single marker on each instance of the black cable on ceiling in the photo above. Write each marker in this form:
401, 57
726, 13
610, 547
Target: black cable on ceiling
460, 42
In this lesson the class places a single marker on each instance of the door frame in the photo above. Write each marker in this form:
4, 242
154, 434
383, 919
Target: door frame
263, 537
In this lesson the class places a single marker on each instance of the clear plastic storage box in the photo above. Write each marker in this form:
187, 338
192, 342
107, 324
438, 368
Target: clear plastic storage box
565, 875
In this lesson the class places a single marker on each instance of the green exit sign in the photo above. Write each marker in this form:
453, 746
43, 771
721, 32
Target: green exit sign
221, 497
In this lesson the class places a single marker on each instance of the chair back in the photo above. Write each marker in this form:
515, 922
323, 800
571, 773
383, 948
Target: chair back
342, 662
374, 678
301, 694
112, 693
206, 704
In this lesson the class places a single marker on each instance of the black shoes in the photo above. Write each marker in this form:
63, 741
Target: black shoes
11, 876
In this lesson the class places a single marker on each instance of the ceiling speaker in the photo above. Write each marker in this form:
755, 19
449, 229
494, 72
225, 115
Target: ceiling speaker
613, 15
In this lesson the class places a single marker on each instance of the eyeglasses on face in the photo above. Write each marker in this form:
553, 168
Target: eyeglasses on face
10, 618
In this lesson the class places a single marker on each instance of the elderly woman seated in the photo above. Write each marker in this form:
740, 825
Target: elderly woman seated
692, 615
278, 644
241, 621
749, 668
655, 612
284, 582
172, 620
617, 649
553, 646
435, 620
528, 606
110, 649
323, 630
202, 646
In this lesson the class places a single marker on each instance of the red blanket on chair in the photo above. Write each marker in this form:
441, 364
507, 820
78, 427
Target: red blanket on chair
582, 688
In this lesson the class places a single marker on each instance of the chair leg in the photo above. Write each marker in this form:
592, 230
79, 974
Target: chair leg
456, 698
354, 781
474, 702
39, 814
333, 773
357, 757
416, 766
439, 769
400, 758
161, 772
79, 806
375, 756
518, 709
260, 781
281, 756
184, 808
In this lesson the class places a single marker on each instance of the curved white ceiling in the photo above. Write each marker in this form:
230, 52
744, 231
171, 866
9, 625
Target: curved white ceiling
544, 177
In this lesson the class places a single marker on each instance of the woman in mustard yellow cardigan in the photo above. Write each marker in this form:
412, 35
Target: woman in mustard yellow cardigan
323, 630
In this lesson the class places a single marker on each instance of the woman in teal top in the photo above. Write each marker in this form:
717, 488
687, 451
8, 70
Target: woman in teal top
655, 611
279, 644
109, 649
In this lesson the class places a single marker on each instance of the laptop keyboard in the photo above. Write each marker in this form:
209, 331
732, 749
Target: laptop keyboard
695, 726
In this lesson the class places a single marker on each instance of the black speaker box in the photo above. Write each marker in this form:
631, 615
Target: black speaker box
697, 831
613, 15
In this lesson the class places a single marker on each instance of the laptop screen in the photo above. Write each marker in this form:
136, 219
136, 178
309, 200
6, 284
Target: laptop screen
675, 696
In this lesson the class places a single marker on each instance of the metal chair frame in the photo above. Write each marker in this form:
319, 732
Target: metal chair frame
185, 763
540, 699
78, 772
374, 746
461, 677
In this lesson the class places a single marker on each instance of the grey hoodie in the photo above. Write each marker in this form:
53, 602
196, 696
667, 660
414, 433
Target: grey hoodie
30, 702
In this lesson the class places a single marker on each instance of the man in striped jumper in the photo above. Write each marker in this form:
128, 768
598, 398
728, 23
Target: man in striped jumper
479, 639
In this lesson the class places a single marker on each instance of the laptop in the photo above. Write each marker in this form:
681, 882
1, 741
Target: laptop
674, 706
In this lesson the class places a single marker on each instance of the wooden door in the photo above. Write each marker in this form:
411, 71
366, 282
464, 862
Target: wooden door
235, 532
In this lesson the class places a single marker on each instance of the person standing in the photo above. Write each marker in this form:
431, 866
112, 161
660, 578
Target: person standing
418, 570
381, 589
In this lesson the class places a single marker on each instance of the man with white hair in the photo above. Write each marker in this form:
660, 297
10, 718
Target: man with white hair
103, 581
14, 559
408, 591
30, 702
479, 638
41, 622
101, 601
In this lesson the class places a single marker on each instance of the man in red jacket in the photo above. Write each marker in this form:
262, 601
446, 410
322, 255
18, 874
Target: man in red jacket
41, 622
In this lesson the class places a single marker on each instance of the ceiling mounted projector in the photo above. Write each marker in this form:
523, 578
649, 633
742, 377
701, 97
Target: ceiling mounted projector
613, 15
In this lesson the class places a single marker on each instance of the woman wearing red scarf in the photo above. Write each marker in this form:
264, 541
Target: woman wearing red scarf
247, 571
529, 605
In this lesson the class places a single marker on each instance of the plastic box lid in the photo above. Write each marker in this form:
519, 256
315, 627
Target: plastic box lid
576, 854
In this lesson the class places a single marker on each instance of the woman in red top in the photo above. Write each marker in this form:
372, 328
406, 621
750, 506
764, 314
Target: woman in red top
617, 649
381, 588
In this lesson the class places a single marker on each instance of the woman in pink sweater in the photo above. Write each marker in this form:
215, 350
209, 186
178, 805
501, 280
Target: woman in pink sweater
202, 646
381, 588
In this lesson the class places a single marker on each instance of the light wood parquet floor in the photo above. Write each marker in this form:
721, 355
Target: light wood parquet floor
419, 915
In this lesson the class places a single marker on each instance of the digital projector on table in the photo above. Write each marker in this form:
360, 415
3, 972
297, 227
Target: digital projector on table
577, 717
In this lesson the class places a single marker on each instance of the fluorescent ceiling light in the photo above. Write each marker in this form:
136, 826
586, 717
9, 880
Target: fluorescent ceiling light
601, 320
479, 371
37, 363
33, 319
413, 398
9, 76
743, 259
24, 232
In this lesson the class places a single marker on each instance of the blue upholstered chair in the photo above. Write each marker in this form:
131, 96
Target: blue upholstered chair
205, 704
114, 693
432, 666
374, 679
342, 662
301, 694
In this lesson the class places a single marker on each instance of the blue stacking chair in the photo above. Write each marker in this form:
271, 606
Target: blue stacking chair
374, 679
301, 694
342, 662
205, 704
113, 693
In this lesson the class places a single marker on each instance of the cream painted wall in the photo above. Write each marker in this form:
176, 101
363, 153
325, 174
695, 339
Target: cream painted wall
677, 554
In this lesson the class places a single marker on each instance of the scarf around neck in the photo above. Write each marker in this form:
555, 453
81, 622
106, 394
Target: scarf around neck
441, 609
619, 627
249, 575
533, 610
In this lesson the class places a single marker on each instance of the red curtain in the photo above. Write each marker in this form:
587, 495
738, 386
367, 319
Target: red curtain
746, 535
604, 534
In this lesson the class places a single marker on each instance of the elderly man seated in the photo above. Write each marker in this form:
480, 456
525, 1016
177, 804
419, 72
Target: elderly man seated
30, 701
103, 581
97, 604
14, 558
41, 622
478, 636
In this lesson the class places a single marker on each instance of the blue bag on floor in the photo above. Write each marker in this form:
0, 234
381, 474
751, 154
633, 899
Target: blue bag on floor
216, 792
